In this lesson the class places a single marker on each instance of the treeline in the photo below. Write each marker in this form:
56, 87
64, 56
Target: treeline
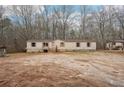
21, 23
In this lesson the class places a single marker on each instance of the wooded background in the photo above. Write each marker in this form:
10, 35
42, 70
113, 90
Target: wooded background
21, 23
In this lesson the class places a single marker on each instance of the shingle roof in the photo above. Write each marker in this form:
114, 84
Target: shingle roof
61, 40
79, 40
39, 40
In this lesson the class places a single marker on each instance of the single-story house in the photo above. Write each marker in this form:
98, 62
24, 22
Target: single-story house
59, 45
115, 44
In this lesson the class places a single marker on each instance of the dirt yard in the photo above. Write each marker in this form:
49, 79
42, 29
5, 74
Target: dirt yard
62, 69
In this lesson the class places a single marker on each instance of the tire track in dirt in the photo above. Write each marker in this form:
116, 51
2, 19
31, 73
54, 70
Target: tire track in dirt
104, 73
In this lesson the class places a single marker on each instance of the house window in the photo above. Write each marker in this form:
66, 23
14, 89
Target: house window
77, 44
45, 44
33, 44
62, 44
88, 44
114, 43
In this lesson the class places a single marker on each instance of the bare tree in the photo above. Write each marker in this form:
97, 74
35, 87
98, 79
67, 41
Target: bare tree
24, 19
84, 9
119, 13
63, 14
1, 24
101, 23
45, 16
23, 24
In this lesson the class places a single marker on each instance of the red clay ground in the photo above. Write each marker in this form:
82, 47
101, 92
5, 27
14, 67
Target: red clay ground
63, 69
